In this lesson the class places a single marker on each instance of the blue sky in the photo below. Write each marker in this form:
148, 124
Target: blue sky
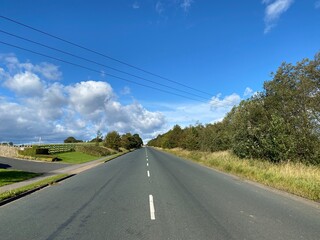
224, 48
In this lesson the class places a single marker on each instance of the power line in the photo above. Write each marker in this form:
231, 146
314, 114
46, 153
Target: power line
97, 71
100, 54
100, 64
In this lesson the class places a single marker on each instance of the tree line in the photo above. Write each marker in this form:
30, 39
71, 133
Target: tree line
113, 140
281, 123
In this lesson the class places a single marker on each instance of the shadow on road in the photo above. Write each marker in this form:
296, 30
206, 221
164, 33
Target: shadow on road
4, 166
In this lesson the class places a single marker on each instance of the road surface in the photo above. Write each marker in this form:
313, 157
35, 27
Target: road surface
30, 166
148, 194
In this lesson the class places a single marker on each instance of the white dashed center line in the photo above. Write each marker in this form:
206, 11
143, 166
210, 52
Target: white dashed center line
152, 211
148, 173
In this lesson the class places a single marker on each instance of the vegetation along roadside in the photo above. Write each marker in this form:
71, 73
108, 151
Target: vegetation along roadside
272, 138
39, 184
295, 178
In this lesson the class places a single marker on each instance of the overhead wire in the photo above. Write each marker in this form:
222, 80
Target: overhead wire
99, 71
101, 54
100, 64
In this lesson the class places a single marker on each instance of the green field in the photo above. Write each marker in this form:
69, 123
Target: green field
75, 157
13, 176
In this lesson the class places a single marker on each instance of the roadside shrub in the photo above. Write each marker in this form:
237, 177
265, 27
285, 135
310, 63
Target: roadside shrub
93, 150
28, 151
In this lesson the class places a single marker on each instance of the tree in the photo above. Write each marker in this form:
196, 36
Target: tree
113, 140
129, 141
138, 140
126, 141
98, 137
70, 140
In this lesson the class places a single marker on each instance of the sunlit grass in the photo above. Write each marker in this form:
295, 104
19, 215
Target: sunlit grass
75, 157
295, 178
41, 183
14, 176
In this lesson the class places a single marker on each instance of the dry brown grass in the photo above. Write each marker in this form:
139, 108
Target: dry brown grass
295, 178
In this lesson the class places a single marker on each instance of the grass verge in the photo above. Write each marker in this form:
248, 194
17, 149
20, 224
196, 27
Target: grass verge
113, 156
295, 178
42, 183
14, 176
75, 157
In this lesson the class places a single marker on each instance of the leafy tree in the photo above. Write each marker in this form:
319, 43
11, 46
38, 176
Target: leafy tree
71, 140
98, 137
113, 140
137, 140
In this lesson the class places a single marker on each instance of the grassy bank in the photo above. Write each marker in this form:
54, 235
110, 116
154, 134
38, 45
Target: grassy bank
13, 176
75, 157
298, 179
18, 191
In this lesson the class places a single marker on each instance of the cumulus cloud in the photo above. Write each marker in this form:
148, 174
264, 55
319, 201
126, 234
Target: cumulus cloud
274, 9
317, 4
47, 70
25, 84
227, 102
88, 97
132, 118
186, 4
54, 111
193, 113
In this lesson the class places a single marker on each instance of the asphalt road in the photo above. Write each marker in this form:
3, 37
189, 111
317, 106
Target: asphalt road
29, 166
163, 197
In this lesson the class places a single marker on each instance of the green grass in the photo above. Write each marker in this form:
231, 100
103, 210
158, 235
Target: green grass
16, 192
108, 158
296, 178
75, 157
14, 176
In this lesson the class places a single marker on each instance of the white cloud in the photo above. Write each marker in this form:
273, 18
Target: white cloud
273, 11
186, 4
125, 91
25, 84
193, 113
135, 5
88, 97
317, 4
159, 7
226, 103
54, 111
47, 70
248, 92
132, 118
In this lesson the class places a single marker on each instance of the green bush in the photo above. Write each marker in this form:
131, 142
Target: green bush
93, 150
28, 151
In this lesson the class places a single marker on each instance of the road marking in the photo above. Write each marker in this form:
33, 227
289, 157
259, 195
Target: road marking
147, 164
148, 173
147, 159
152, 211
